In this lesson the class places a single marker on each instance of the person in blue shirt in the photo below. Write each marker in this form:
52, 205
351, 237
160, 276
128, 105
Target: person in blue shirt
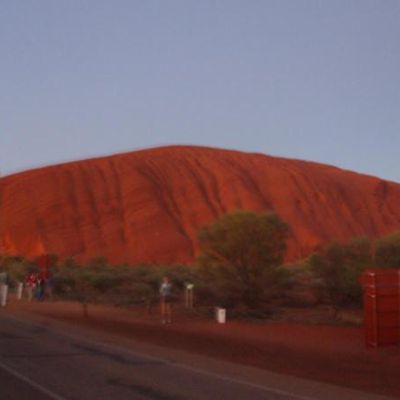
165, 300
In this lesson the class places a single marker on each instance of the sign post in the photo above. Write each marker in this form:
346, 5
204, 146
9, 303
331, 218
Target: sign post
189, 295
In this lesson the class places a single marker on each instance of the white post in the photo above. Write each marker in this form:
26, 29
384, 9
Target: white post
220, 314
20, 287
3, 294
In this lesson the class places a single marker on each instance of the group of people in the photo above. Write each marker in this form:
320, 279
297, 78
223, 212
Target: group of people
38, 286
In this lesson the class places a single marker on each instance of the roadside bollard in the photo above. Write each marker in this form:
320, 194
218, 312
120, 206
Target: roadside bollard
3, 294
220, 314
20, 287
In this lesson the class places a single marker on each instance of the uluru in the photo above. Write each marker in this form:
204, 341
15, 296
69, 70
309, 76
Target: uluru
146, 206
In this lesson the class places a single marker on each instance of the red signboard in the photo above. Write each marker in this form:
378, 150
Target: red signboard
381, 306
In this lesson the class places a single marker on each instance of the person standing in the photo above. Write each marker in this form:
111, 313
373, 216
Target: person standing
31, 282
40, 288
49, 286
165, 301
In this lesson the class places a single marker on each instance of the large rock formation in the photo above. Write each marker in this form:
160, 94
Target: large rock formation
146, 206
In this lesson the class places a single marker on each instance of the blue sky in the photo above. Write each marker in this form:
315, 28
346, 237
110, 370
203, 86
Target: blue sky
313, 80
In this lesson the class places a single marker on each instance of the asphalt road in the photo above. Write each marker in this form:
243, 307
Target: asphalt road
17, 388
44, 362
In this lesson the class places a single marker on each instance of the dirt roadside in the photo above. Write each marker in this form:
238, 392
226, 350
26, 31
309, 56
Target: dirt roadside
330, 354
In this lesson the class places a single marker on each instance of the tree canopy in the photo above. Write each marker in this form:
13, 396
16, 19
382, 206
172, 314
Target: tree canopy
338, 267
242, 251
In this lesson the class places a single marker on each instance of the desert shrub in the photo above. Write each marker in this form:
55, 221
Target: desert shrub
240, 258
299, 292
338, 268
387, 252
85, 284
136, 285
17, 268
98, 282
132, 293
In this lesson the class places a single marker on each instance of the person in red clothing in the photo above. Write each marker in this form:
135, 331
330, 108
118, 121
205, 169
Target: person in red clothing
31, 282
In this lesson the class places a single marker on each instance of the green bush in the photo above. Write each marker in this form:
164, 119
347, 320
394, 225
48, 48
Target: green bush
387, 253
17, 268
240, 258
338, 268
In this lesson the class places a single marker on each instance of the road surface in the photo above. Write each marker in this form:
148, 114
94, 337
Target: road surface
46, 362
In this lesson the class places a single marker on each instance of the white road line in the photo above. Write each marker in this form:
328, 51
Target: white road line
30, 382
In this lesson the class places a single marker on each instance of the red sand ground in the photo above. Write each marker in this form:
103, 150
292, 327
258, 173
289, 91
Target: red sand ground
333, 354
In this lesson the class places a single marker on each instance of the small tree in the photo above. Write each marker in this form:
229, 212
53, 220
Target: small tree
87, 285
240, 255
338, 268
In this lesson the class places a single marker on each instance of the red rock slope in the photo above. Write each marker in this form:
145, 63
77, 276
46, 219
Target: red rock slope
146, 206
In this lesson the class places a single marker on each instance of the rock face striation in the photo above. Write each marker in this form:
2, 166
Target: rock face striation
146, 206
